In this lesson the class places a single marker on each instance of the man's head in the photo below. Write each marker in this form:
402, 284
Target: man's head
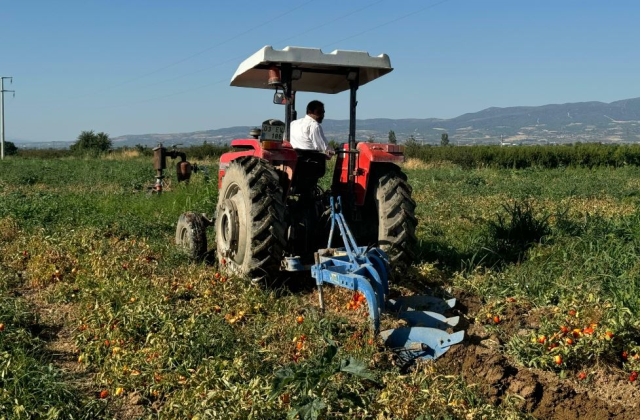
315, 110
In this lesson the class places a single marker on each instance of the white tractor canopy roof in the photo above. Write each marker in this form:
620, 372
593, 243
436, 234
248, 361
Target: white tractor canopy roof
325, 73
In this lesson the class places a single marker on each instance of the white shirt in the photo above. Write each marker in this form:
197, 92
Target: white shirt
307, 134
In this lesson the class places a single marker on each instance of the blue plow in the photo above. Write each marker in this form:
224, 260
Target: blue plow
366, 270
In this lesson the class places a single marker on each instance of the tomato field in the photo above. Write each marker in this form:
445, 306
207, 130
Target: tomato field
102, 317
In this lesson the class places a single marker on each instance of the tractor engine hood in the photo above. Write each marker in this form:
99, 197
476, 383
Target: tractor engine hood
320, 72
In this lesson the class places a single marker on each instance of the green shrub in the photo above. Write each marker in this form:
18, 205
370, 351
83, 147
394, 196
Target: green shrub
517, 230
10, 148
90, 142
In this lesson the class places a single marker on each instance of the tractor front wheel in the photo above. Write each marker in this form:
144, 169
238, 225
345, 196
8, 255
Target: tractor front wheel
250, 222
191, 235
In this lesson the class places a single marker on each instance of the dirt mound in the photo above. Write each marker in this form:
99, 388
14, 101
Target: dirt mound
540, 393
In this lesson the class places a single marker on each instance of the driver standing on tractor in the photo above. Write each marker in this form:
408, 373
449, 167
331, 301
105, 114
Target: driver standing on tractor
309, 142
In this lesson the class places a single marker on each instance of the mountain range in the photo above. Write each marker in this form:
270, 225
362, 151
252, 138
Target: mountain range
615, 122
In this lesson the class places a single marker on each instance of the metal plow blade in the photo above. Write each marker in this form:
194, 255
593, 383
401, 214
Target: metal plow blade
425, 337
428, 319
412, 303
412, 343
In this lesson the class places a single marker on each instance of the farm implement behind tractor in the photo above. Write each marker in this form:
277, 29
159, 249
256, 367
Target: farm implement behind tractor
272, 217
365, 270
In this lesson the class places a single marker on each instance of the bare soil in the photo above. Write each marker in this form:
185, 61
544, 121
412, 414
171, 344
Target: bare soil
540, 393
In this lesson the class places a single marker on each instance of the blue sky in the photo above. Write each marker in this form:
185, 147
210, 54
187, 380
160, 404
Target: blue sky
135, 67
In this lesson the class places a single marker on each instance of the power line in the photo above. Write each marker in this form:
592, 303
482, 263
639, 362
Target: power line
234, 59
182, 60
284, 40
332, 21
275, 43
387, 23
2, 91
165, 96
194, 72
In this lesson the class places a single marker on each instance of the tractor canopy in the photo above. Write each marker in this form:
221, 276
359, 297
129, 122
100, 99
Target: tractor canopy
313, 70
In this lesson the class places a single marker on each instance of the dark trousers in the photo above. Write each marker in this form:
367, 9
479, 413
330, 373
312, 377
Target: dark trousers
310, 167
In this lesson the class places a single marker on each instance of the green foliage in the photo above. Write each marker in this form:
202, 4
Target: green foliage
334, 144
412, 144
309, 380
173, 345
10, 148
444, 139
30, 386
90, 142
205, 151
74, 196
143, 150
588, 155
392, 137
44, 153
516, 230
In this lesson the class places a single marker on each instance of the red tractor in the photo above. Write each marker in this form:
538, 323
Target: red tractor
271, 215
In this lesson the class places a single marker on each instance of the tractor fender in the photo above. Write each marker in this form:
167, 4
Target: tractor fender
370, 155
280, 154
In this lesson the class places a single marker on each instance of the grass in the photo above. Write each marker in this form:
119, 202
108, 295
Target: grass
166, 338
30, 386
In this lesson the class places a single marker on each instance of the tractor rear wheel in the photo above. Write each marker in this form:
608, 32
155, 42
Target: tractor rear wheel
250, 222
396, 216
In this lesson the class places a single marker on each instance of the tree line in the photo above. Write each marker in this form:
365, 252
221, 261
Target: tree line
576, 155
393, 139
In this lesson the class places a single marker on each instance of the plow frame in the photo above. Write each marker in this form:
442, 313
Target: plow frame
366, 270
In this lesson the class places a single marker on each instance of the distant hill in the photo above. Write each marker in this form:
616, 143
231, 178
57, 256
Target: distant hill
613, 122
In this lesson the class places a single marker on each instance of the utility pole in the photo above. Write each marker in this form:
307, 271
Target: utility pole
2, 91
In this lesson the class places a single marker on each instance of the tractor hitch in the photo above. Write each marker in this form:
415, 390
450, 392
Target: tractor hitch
366, 270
